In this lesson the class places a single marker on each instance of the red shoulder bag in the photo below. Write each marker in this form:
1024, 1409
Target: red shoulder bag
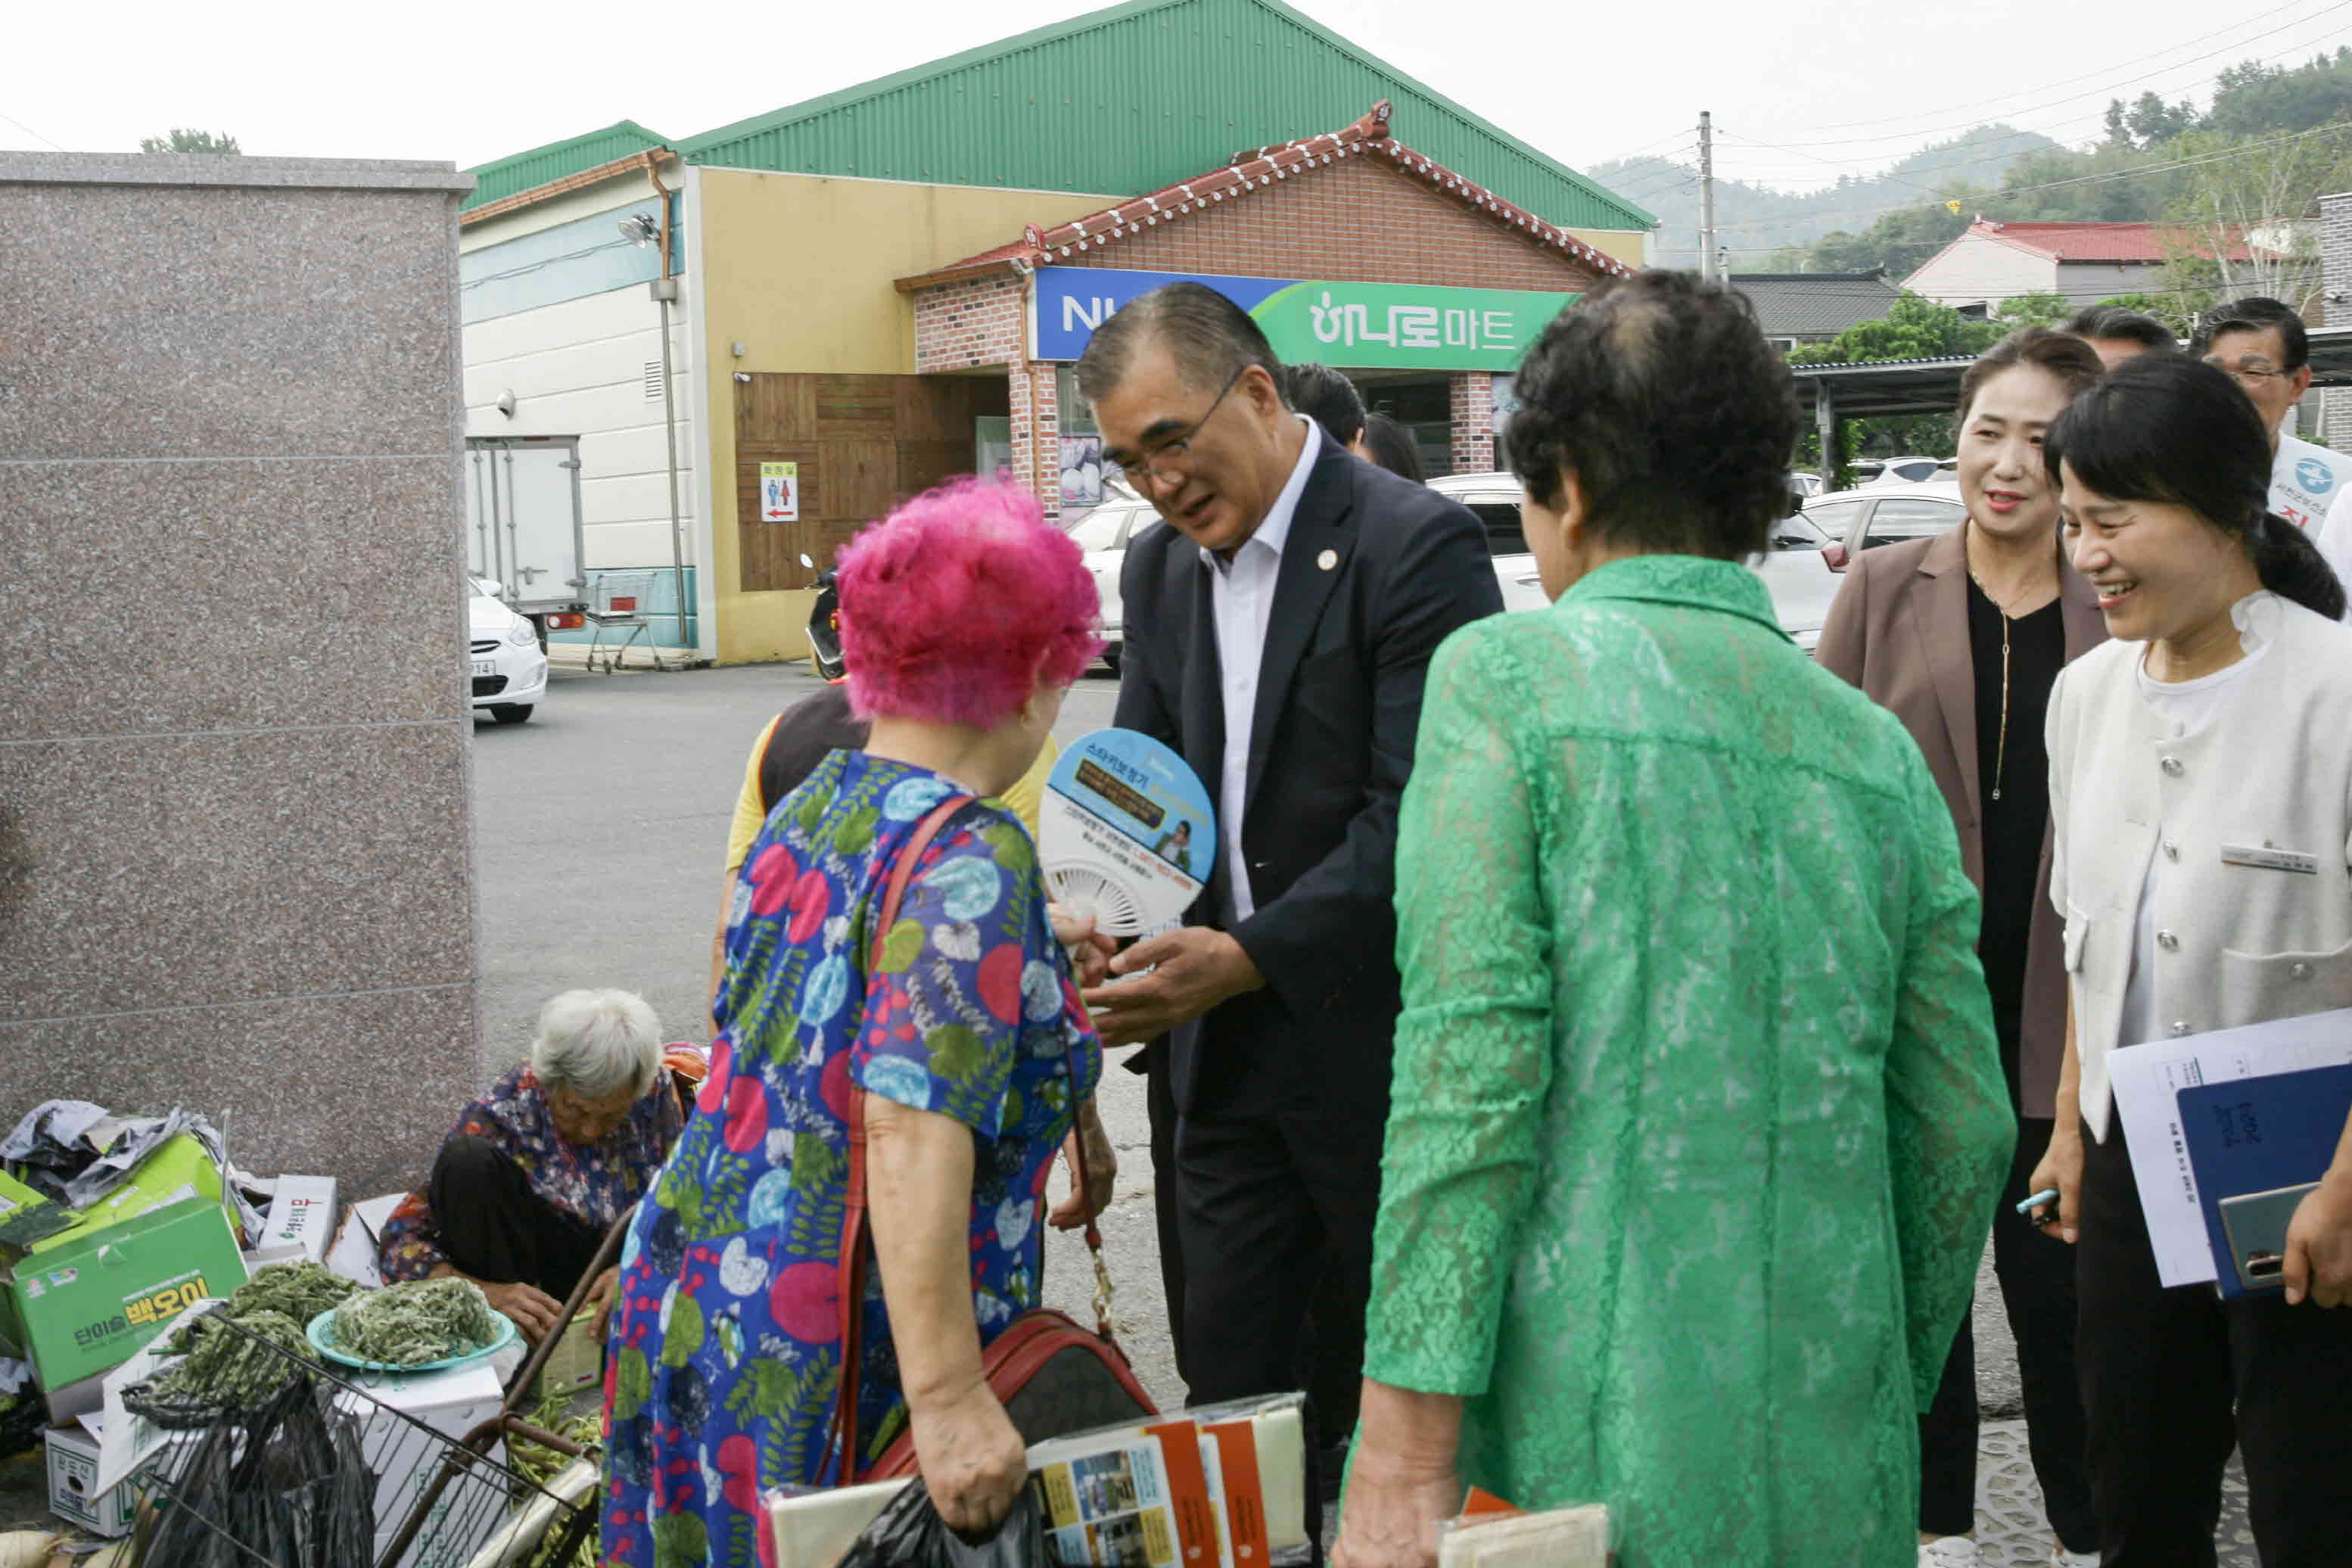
1052, 1377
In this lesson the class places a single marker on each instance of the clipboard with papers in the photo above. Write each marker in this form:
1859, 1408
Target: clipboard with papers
2230, 1115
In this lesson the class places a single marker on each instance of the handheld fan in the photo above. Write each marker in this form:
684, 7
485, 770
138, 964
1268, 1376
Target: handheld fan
1126, 832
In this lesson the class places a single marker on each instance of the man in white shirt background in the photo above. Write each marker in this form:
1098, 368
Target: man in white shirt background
2260, 343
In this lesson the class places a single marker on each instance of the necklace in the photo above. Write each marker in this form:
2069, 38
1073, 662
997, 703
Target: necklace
2001, 746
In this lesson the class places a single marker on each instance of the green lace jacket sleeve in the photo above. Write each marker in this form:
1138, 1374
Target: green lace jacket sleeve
1474, 1045
1948, 1128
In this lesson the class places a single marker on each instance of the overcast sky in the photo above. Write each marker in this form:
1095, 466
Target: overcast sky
1843, 86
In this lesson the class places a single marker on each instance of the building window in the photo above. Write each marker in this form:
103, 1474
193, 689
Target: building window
1081, 445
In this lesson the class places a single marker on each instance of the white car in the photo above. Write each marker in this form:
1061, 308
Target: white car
1103, 534
1796, 570
1901, 470
509, 670
1871, 515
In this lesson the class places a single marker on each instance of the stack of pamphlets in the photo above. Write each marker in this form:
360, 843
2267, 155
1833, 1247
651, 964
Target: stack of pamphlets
1220, 1486
1491, 1534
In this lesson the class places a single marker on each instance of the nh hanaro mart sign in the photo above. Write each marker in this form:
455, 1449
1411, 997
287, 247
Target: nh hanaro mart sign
1357, 326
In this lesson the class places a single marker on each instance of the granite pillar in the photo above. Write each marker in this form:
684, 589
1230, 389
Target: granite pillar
236, 847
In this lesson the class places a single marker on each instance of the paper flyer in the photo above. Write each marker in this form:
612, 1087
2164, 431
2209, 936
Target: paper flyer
2147, 1082
1110, 1507
1126, 832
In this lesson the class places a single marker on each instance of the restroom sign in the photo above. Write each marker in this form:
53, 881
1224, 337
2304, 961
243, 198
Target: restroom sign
780, 492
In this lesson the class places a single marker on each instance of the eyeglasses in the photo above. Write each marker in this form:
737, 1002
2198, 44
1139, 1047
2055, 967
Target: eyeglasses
2247, 375
1146, 470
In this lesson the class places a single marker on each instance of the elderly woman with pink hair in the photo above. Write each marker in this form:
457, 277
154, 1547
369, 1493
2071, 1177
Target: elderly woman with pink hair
964, 618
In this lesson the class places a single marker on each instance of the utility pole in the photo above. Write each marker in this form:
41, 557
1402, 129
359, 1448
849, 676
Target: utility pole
1706, 271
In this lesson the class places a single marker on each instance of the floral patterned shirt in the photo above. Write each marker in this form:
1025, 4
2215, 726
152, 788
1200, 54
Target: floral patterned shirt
725, 1350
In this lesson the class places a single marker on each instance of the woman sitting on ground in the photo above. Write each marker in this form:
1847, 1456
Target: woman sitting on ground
536, 1170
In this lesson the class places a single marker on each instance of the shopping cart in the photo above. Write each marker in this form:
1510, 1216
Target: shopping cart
459, 1501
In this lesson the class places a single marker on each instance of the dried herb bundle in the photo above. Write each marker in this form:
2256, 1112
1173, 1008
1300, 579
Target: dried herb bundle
413, 1323
234, 1371
301, 1290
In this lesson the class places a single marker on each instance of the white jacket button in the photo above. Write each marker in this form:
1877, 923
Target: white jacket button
2172, 766
2180, 1026
2171, 850
2168, 941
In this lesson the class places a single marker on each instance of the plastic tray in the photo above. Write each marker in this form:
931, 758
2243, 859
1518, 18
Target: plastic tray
320, 1334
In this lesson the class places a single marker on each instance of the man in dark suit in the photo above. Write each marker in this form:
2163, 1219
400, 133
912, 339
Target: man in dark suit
1277, 633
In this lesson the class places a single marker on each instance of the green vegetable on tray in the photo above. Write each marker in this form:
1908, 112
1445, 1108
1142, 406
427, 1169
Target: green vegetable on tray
413, 1323
301, 1290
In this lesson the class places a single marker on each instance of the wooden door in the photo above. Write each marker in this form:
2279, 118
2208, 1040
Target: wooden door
864, 442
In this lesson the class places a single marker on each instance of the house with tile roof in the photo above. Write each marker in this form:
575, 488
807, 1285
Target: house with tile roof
1796, 308
2081, 262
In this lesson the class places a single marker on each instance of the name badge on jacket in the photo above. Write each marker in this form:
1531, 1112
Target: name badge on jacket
2270, 860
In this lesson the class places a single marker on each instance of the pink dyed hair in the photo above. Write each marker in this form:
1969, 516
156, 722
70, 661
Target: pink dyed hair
961, 603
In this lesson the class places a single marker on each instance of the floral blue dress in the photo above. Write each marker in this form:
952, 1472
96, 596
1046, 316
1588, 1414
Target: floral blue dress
724, 1354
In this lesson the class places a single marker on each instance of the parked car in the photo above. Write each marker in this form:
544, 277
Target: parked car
1803, 485
1103, 534
1868, 516
508, 672
1796, 569
1902, 471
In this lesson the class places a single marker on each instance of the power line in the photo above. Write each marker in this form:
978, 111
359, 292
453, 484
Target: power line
2035, 92
29, 129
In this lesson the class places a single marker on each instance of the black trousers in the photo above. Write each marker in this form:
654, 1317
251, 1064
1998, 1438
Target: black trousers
494, 1228
2162, 1370
1160, 1106
2037, 1290
1276, 1207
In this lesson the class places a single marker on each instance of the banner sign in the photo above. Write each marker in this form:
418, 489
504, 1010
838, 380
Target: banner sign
1355, 326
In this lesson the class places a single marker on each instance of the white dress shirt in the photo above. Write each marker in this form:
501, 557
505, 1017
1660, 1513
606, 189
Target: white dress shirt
1241, 594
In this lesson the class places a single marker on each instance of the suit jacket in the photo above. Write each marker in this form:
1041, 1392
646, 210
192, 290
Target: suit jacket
1338, 704
1899, 630
2240, 938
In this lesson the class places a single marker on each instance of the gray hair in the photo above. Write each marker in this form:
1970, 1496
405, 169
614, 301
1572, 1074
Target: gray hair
1208, 336
597, 1043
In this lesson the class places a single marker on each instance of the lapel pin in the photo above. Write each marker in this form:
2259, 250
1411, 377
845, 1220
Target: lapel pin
1328, 559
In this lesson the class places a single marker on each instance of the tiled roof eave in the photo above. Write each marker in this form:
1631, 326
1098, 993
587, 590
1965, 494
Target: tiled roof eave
1258, 171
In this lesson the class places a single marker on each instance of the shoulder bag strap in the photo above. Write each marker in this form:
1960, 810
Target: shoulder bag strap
851, 1264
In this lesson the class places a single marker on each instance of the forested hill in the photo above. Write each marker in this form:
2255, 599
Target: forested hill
1756, 220
2271, 141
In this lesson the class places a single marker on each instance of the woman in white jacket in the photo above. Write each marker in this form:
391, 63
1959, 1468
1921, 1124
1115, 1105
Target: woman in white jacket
2200, 791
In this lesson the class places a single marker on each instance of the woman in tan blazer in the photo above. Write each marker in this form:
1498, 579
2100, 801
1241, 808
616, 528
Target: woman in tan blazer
1961, 637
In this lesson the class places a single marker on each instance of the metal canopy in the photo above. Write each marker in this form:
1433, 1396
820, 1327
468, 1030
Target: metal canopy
1893, 388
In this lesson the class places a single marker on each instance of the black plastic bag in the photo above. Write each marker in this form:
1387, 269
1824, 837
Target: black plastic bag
289, 1484
909, 1534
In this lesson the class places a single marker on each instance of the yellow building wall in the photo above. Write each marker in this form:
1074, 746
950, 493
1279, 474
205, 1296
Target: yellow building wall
800, 269
1624, 244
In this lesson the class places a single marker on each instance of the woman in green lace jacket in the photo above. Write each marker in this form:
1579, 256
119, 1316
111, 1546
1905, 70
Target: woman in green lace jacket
1698, 1115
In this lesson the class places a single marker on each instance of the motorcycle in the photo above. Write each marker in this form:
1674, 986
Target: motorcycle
824, 626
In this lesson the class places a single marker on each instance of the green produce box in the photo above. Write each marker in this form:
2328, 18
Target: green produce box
88, 1300
179, 1168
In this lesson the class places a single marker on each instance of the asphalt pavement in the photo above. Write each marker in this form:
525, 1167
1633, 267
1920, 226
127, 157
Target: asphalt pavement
599, 828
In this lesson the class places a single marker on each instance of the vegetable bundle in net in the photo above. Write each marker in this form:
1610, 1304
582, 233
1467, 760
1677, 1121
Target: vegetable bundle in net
410, 1324
224, 1371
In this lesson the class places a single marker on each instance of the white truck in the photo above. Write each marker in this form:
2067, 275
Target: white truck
524, 525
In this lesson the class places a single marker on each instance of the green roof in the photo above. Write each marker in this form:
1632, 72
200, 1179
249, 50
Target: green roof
527, 171
1133, 99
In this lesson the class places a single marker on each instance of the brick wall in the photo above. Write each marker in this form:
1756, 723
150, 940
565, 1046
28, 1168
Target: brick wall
1357, 220
2336, 281
1472, 401
960, 326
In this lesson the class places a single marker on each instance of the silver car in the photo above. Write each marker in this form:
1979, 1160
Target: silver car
1796, 569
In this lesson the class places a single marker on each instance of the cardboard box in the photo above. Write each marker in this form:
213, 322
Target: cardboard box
353, 1254
89, 1298
406, 1459
73, 1472
302, 1222
577, 1362
178, 1170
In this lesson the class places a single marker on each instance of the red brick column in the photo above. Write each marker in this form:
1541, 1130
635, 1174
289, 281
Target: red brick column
1472, 403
